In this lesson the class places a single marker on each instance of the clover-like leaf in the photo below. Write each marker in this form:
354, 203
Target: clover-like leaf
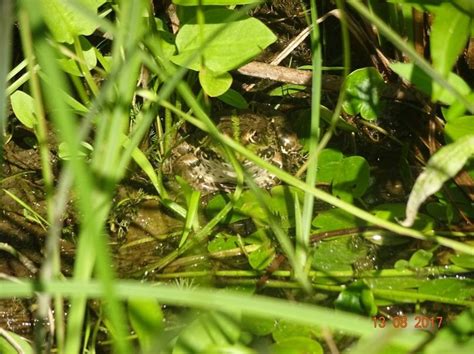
363, 91
229, 43
214, 84
352, 179
65, 22
24, 108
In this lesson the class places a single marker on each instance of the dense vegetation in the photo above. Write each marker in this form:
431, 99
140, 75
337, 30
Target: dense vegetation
236, 176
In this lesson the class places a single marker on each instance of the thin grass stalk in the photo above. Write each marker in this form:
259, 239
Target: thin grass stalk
302, 244
51, 265
227, 301
104, 162
6, 23
346, 49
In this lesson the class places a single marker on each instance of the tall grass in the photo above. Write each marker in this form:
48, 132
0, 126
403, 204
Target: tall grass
93, 183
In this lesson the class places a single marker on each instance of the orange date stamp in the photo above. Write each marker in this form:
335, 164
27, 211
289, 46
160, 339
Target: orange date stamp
417, 322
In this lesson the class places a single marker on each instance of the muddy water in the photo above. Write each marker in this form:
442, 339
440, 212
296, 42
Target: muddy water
144, 240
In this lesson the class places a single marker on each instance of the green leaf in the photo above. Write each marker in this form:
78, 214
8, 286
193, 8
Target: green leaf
328, 165
463, 260
449, 33
339, 254
424, 82
7, 348
214, 2
457, 109
72, 67
261, 258
335, 219
458, 128
282, 204
64, 152
357, 298
229, 43
216, 204
24, 108
443, 165
214, 84
234, 98
206, 331
297, 345
258, 326
287, 90
146, 319
420, 259
401, 264
65, 22
396, 211
286, 329
222, 242
459, 289
352, 178
363, 91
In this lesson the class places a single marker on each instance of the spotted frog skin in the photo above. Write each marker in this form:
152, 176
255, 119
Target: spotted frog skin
201, 163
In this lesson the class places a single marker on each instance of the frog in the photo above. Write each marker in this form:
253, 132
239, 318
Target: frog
200, 161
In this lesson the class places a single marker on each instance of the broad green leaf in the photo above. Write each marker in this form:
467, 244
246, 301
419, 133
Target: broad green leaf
206, 331
24, 108
357, 298
234, 98
451, 288
229, 349
214, 2
7, 348
297, 345
463, 260
352, 179
449, 33
282, 204
228, 44
363, 91
223, 242
214, 84
396, 211
286, 329
465, 5
420, 258
146, 319
335, 219
328, 165
65, 22
217, 203
258, 326
443, 165
457, 109
458, 128
339, 254
64, 152
261, 258
423, 82
72, 67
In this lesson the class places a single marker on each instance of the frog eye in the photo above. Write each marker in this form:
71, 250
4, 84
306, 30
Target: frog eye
267, 154
254, 137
